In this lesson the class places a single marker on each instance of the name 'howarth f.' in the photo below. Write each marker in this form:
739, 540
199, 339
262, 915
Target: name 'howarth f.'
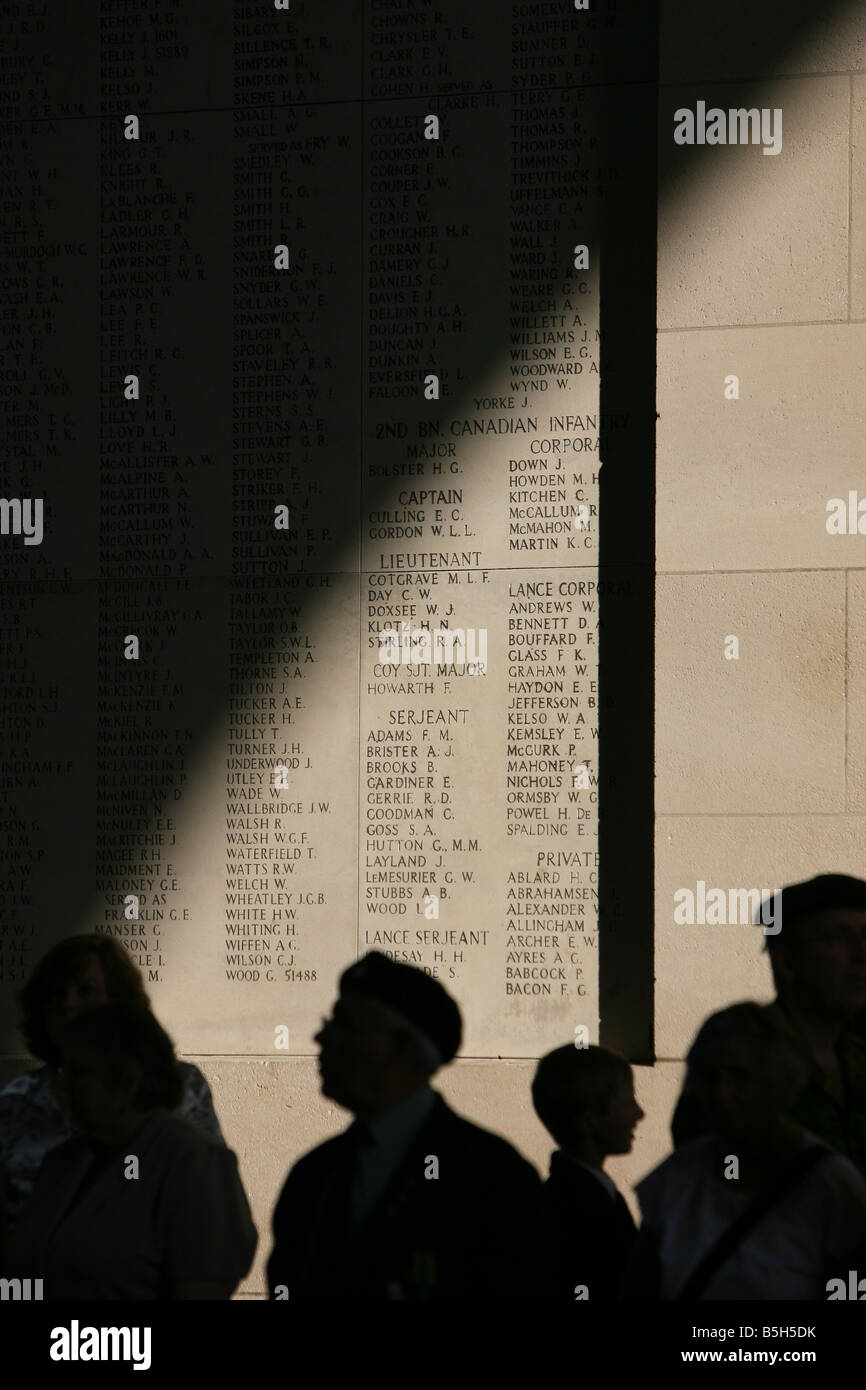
736, 126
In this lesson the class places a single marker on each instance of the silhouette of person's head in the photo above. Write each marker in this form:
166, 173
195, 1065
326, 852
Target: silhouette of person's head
818, 958
584, 1096
117, 1067
745, 1070
76, 974
391, 1028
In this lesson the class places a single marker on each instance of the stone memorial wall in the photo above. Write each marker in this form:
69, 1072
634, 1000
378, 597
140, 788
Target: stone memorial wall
326, 539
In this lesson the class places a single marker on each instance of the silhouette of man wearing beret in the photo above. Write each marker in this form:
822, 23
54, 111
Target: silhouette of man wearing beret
818, 960
412, 1201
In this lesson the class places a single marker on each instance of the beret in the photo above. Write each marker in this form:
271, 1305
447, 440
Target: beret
825, 893
408, 991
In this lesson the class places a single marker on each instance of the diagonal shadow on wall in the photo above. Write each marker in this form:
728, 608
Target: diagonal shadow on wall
624, 241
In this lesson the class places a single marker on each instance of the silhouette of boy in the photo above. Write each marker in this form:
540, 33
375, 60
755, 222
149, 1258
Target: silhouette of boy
585, 1098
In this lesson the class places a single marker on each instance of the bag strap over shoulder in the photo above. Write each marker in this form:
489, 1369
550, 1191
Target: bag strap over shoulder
758, 1208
